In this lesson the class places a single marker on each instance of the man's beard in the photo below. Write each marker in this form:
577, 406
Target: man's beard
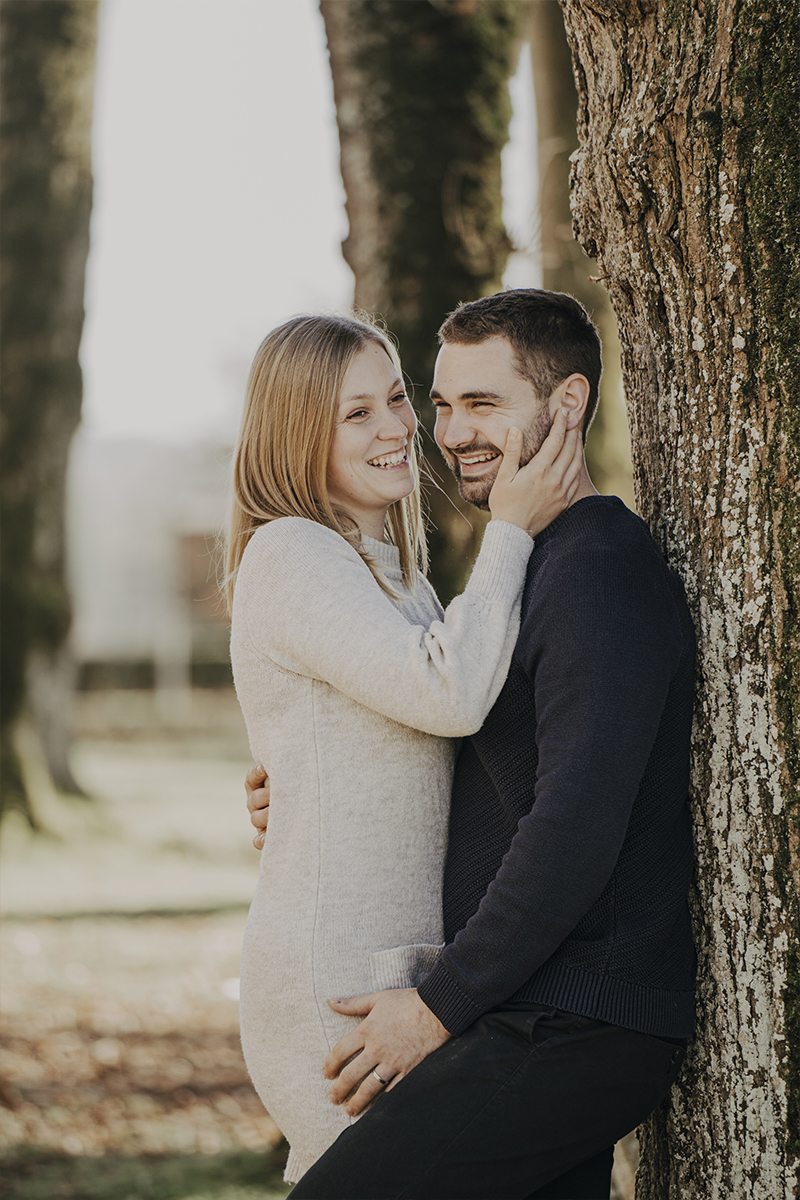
477, 491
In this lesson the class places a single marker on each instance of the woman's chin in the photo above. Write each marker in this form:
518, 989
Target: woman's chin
404, 488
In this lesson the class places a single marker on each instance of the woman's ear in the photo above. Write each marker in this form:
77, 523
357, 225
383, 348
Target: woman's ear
573, 395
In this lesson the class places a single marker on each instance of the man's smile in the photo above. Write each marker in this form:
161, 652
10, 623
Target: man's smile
475, 462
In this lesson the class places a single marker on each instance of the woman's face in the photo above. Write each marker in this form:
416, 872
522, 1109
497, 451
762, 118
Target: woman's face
368, 466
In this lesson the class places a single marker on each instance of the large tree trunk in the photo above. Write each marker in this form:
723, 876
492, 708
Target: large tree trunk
48, 57
421, 93
685, 191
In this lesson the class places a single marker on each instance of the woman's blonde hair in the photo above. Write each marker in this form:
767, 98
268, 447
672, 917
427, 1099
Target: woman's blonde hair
281, 461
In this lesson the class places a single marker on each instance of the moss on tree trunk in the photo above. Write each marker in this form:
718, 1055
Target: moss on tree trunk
48, 54
686, 192
421, 92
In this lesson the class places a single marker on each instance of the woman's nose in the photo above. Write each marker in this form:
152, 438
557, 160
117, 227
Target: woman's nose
393, 428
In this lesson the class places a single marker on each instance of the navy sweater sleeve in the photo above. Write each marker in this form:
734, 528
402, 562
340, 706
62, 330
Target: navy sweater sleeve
600, 642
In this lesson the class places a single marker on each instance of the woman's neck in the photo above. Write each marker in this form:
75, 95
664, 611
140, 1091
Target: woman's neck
371, 524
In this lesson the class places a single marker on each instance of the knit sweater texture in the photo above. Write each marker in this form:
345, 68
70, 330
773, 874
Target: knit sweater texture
570, 848
351, 701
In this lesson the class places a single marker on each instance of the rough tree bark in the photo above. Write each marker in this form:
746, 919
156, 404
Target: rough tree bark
421, 93
685, 191
48, 59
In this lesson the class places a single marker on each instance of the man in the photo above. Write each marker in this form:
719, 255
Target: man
557, 1015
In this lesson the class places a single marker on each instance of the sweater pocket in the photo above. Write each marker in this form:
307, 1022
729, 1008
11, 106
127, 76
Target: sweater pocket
402, 966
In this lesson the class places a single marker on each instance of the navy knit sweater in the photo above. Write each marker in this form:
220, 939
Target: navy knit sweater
570, 849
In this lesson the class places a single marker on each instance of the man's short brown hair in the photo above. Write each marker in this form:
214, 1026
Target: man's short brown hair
550, 333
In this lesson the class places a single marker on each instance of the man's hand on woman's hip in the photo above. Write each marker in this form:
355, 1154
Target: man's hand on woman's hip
397, 1032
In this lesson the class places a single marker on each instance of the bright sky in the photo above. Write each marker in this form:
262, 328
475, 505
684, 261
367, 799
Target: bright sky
218, 204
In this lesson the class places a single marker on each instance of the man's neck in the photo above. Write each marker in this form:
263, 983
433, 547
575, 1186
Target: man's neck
585, 488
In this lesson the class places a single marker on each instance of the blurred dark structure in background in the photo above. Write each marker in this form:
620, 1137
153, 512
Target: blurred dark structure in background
422, 105
47, 52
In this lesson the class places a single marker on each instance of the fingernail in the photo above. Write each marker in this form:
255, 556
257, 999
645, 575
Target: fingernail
514, 433
260, 769
348, 1110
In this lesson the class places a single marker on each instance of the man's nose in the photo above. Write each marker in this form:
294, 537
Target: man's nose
458, 431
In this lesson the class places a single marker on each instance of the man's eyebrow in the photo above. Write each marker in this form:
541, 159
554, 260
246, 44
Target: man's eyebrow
477, 394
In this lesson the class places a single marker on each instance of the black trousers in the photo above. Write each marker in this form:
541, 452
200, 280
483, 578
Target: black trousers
528, 1102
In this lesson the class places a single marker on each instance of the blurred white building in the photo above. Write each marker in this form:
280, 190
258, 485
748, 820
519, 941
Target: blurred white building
144, 525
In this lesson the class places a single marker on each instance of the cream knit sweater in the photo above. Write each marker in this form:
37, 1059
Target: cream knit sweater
351, 701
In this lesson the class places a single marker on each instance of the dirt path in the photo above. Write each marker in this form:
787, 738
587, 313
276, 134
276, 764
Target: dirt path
120, 1040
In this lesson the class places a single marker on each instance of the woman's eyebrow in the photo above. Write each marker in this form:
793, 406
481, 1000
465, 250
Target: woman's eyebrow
370, 395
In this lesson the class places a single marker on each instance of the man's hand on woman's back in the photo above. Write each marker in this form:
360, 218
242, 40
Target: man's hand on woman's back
256, 788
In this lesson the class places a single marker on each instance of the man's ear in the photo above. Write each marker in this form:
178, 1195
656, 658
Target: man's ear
573, 395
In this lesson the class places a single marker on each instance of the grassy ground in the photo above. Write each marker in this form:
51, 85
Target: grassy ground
122, 1076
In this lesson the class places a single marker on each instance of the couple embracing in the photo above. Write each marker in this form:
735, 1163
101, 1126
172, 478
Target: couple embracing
468, 966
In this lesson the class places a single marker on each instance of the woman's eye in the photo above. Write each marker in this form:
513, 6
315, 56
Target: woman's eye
400, 398
359, 412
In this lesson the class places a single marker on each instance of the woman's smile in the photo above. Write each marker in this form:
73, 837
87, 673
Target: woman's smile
387, 462
368, 464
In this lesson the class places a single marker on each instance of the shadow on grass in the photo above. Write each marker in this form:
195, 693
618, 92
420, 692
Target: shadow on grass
33, 1174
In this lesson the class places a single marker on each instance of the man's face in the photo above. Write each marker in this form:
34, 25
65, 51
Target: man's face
478, 396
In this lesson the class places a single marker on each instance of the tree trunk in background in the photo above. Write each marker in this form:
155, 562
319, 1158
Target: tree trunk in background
565, 268
685, 192
48, 57
421, 93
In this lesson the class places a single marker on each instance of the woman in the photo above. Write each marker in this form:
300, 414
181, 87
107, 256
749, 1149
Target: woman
353, 683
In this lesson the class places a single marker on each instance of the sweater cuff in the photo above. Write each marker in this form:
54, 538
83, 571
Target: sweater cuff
440, 992
499, 572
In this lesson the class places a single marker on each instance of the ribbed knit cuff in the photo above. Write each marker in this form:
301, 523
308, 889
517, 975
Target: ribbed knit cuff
499, 572
446, 1000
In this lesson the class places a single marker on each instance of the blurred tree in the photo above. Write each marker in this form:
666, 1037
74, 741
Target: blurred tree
686, 192
565, 267
47, 53
421, 92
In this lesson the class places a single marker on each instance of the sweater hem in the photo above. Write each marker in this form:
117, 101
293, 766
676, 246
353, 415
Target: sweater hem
656, 1011
295, 1169
446, 1000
